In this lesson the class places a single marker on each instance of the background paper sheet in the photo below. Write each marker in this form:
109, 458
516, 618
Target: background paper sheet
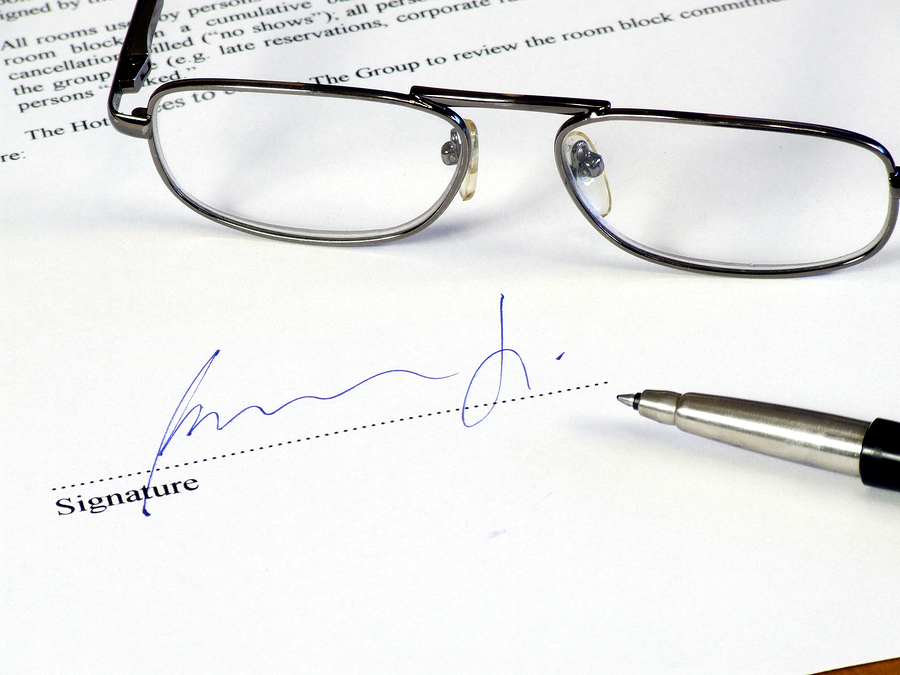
381, 530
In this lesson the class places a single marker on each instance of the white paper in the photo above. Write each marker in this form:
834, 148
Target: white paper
381, 530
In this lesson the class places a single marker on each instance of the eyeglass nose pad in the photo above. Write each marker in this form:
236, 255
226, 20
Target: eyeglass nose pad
587, 166
450, 153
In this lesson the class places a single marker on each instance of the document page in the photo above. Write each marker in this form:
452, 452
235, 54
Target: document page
228, 453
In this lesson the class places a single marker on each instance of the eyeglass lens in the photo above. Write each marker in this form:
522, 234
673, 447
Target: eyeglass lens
727, 195
334, 168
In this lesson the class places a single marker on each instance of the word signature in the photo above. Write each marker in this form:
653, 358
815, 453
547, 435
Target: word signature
188, 410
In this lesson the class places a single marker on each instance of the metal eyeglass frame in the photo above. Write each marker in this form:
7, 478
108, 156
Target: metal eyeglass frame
134, 66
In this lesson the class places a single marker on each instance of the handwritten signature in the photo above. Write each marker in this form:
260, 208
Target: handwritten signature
188, 410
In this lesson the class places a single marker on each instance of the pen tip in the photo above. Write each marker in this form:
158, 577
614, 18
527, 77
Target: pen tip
629, 399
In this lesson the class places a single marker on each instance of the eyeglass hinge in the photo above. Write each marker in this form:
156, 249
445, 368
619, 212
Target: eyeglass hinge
134, 70
136, 124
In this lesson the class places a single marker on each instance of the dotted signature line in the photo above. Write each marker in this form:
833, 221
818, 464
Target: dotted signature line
331, 433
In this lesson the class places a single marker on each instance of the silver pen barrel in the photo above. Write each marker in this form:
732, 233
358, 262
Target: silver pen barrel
813, 438
868, 450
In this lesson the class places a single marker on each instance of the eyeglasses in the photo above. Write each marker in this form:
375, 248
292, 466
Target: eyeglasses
341, 165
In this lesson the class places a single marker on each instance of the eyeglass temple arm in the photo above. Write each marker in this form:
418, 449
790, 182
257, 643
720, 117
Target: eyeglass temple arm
133, 67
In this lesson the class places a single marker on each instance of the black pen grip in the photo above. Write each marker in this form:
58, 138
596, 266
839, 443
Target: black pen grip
879, 461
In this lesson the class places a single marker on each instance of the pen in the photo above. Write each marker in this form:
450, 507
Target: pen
870, 450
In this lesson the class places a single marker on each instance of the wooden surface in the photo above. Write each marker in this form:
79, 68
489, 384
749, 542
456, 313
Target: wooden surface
889, 667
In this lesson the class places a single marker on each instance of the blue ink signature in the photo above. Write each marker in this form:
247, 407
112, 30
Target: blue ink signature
185, 409
501, 353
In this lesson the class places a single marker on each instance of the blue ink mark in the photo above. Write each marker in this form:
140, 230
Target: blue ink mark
184, 409
500, 352
560, 356
541, 501
496, 533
